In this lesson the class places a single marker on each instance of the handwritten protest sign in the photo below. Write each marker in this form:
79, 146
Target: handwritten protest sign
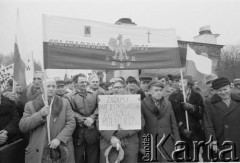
6, 72
123, 110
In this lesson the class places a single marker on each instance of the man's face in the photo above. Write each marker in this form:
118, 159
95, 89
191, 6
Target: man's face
184, 84
224, 92
71, 86
156, 92
209, 84
118, 88
82, 83
144, 85
94, 83
61, 89
37, 80
51, 88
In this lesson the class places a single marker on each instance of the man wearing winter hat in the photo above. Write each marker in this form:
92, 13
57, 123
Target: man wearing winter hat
221, 118
236, 88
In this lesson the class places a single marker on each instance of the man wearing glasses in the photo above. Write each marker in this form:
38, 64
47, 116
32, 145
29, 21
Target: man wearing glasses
85, 136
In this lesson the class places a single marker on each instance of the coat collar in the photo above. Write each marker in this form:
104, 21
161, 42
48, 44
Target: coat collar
149, 103
215, 98
38, 104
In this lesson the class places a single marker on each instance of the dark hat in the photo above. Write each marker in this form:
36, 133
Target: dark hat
220, 82
170, 77
155, 83
131, 79
60, 82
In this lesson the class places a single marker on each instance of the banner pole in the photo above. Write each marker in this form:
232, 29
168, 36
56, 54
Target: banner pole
46, 104
184, 97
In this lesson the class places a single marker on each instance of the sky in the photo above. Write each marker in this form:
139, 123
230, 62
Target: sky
186, 16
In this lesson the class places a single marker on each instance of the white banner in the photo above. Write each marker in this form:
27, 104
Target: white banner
119, 110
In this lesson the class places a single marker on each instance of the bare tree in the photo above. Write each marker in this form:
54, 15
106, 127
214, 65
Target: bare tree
229, 62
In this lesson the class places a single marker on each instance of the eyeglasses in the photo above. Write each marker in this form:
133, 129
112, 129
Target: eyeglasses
118, 87
82, 82
37, 78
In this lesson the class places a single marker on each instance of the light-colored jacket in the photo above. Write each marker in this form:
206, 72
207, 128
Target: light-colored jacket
62, 126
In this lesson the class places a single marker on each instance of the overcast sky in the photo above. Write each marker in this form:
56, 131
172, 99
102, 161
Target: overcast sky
186, 16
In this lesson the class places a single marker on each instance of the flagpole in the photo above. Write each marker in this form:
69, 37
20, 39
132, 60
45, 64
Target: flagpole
46, 104
184, 97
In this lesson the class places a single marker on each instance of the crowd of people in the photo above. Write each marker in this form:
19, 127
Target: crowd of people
71, 132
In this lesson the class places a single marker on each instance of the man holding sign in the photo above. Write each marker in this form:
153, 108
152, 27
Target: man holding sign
117, 112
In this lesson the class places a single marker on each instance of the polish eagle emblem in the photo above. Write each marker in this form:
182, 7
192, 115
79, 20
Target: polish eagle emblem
120, 48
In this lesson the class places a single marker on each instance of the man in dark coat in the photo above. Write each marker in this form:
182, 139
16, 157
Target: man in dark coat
221, 117
159, 120
194, 107
86, 135
9, 119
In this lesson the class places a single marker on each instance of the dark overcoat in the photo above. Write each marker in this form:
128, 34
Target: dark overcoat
160, 122
222, 122
194, 117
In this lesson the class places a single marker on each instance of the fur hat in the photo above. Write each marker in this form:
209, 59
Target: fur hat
220, 82
60, 153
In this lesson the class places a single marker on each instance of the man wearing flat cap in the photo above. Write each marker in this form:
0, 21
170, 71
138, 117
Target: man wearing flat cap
236, 87
144, 81
61, 88
159, 119
221, 118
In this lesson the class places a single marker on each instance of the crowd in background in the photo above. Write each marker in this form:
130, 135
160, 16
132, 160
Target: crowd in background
74, 134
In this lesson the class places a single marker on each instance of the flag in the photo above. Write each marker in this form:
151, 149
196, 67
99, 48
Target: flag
19, 65
197, 66
70, 43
